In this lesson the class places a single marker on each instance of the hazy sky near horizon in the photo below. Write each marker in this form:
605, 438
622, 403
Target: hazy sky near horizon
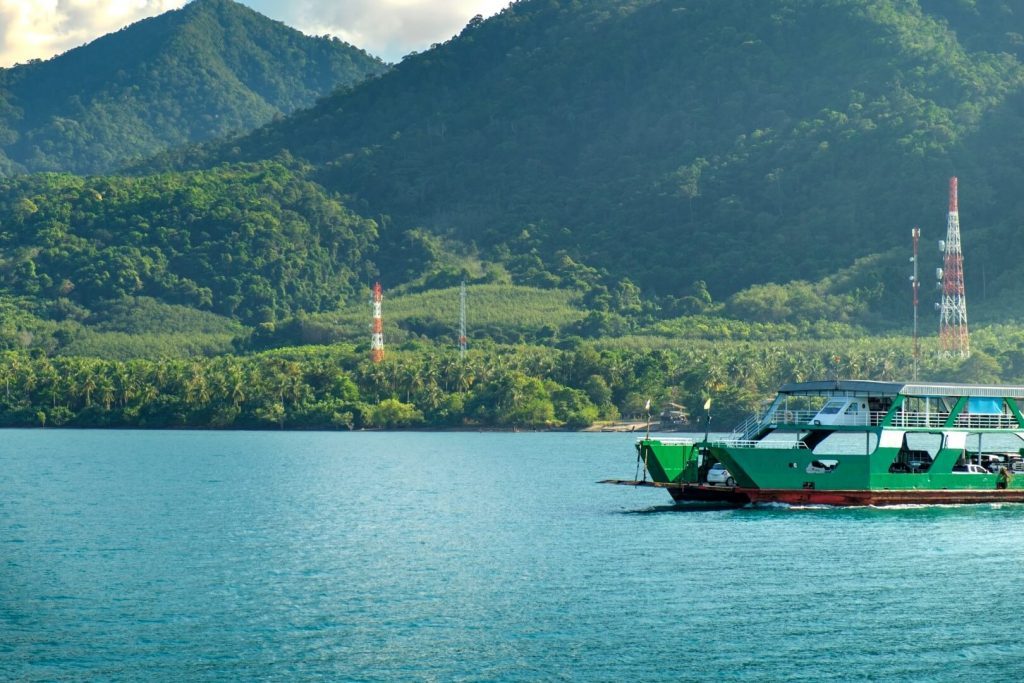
390, 29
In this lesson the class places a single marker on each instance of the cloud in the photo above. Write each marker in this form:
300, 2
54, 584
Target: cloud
387, 28
39, 29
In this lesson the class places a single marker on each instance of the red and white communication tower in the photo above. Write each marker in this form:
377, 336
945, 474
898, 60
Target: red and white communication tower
953, 337
377, 339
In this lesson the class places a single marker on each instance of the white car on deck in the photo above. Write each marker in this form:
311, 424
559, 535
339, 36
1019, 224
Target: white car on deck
970, 469
719, 475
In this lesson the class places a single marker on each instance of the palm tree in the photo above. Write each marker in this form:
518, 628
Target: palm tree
7, 368
197, 390
106, 389
50, 379
235, 383
125, 383
87, 385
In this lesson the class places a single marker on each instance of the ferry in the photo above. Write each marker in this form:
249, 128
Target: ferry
855, 442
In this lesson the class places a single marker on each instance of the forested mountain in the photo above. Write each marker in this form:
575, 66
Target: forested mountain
211, 68
668, 199
670, 141
755, 160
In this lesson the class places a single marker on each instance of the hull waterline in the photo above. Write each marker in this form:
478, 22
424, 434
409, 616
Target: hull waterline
882, 498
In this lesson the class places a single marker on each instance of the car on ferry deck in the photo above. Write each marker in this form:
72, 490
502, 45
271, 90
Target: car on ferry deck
970, 468
718, 474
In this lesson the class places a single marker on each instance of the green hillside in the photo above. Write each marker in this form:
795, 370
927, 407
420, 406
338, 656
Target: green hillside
212, 68
495, 312
254, 242
671, 141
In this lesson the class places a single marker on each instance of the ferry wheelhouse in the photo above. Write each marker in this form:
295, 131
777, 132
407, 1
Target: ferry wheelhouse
855, 442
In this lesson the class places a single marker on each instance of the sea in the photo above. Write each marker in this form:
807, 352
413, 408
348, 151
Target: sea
375, 556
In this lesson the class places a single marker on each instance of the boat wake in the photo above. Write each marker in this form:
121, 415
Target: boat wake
790, 506
681, 507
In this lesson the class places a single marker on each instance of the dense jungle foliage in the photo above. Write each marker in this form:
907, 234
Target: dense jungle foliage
421, 385
253, 242
212, 68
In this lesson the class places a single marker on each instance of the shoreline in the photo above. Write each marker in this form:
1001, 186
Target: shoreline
617, 428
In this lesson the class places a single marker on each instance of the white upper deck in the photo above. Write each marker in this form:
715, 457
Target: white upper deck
866, 388
864, 403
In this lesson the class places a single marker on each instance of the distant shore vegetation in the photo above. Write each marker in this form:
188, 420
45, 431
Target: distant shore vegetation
420, 385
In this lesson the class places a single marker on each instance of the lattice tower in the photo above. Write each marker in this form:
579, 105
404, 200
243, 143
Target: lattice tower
954, 339
377, 338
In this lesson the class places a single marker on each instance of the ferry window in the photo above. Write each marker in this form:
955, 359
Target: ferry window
930, 442
993, 449
928, 404
917, 452
847, 443
879, 405
832, 407
822, 466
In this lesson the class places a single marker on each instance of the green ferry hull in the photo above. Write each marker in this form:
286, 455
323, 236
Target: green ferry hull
872, 443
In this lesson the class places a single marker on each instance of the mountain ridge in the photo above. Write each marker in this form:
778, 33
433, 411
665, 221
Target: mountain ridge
205, 70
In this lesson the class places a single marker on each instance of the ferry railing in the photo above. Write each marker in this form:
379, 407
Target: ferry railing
977, 421
791, 417
751, 426
734, 442
906, 418
764, 443
762, 418
909, 418
901, 418
781, 416
672, 441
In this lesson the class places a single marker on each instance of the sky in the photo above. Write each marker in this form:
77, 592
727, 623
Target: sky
390, 29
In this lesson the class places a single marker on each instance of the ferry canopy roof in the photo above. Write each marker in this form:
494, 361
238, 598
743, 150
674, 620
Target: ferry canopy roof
859, 387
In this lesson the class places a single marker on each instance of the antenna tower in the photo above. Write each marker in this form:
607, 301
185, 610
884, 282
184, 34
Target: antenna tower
915, 283
377, 339
462, 320
953, 336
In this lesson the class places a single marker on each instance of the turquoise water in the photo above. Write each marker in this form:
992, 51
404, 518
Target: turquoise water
374, 556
